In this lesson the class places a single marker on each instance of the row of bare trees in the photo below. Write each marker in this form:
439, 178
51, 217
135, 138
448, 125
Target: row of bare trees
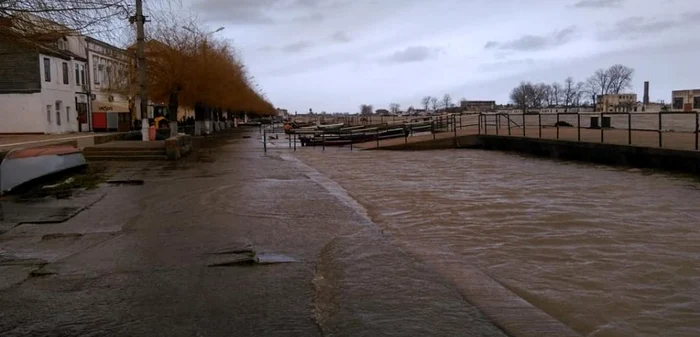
435, 103
613, 80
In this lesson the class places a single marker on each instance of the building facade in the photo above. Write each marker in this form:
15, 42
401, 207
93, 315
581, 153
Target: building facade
616, 103
111, 109
41, 86
686, 100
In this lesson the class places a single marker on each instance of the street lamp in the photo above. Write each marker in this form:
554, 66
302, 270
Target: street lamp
207, 34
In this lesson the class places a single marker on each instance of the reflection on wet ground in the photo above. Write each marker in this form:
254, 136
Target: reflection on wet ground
608, 251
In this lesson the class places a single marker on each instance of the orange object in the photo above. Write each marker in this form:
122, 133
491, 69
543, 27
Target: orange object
152, 133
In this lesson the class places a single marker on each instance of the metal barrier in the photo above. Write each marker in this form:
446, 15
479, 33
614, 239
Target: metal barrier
670, 133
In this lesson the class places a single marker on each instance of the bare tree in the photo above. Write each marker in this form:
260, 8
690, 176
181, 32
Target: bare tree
580, 87
394, 108
539, 95
521, 96
434, 103
620, 78
447, 101
366, 109
425, 102
556, 93
569, 92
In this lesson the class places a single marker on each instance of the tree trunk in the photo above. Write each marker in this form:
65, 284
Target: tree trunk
173, 105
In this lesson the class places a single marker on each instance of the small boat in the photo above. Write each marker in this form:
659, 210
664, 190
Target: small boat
20, 166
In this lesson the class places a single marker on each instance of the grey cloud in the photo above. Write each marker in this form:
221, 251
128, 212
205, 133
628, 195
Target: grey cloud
638, 27
296, 46
598, 3
257, 11
491, 45
340, 37
535, 42
413, 54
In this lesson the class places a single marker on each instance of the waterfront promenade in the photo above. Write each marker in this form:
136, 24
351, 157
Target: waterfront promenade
221, 244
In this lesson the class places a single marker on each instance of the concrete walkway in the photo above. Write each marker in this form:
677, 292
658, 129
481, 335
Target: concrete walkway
163, 259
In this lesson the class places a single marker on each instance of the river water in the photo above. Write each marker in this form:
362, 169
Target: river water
608, 251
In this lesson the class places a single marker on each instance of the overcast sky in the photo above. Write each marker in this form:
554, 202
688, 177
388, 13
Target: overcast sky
333, 55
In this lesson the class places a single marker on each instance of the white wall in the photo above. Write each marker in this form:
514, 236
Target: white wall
22, 113
56, 90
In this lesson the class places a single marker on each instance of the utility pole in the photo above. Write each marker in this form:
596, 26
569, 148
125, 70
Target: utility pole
140, 20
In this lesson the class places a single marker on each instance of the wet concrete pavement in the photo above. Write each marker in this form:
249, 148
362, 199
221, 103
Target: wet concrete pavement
140, 261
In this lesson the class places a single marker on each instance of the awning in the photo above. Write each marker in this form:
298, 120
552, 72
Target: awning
98, 106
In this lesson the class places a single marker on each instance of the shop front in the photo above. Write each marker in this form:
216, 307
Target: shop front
110, 116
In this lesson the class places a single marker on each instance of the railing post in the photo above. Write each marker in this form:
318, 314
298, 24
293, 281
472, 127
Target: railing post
432, 127
323, 141
660, 134
265, 141
486, 124
498, 120
524, 134
351, 141
478, 123
295, 141
629, 128
508, 121
377, 137
697, 132
539, 123
557, 125
600, 124
290, 140
578, 125
454, 124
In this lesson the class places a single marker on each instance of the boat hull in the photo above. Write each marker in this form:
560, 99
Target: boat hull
21, 166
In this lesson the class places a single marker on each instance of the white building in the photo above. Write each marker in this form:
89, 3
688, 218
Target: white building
110, 109
41, 86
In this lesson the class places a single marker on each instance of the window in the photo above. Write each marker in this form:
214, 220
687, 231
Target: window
65, 73
68, 114
678, 103
82, 74
696, 102
95, 74
48, 113
47, 69
58, 112
77, 75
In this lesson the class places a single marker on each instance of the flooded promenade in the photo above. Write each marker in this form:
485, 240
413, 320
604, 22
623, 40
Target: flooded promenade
608, 251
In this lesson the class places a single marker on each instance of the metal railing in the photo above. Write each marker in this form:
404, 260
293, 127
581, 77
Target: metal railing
673, 129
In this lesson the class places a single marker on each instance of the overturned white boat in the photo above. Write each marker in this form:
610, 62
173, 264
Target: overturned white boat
20, 166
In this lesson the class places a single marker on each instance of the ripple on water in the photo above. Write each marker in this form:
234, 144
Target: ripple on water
608, 251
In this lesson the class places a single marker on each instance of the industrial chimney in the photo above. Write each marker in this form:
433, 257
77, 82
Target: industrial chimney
646, 93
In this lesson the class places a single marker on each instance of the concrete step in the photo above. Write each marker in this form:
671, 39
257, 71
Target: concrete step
126, 158
93, 149
123, 153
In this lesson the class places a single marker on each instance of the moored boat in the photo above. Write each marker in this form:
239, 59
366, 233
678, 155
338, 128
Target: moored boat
20, 166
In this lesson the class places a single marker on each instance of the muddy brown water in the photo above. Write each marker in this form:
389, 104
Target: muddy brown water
608, 251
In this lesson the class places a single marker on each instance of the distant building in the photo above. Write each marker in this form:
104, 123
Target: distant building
616, 103
686, 100
382, 112
478, 105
